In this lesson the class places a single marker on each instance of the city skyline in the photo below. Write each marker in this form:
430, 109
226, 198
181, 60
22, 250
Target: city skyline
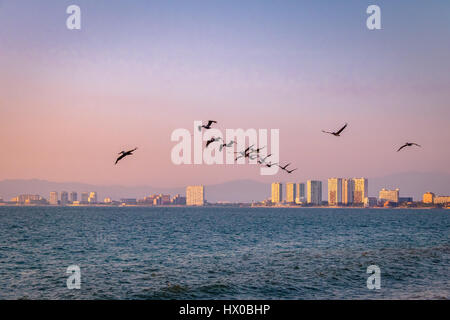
72, 91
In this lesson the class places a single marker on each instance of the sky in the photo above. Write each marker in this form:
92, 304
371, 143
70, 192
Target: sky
70, 100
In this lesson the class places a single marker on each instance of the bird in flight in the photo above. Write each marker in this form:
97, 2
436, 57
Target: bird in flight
336, 133
213, 139
263, 160
123, 154
245, 153
408, 144
208, 126
229, 144
270, 164
257, 150
284, 167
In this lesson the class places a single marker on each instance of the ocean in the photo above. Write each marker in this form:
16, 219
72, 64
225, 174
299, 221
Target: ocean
223, 253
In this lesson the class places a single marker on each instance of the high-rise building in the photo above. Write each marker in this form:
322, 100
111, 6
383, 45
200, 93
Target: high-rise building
428, 197
334, 191
64, 198
314, 192
53, 198
92, 197
291, 192
360, 190
195, 195
389, 195
277, 192
301, 193
73, 196
84, 197
347, 191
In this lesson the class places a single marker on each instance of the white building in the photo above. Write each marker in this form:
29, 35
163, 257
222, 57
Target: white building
314, 192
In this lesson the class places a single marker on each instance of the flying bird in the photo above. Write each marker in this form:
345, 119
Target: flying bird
270, 164
223, 145
257, 150
208, 126
284, 167
408, 144
123, 154
263, 160
245, 153
336, 133
213, 139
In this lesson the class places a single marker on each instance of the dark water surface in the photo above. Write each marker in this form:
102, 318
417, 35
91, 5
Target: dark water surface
223, 253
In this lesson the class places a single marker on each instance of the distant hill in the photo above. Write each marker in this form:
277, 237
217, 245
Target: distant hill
410, 183
236, 191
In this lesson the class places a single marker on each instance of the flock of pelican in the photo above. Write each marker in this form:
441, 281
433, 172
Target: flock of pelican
252, 153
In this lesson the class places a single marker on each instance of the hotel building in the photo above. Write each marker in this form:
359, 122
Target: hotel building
334, 191
389, 195
314, 192
53, 198
92, 197
73, 196
64, 198
347, 191
291, 192
195, 195
277, 192
442, 200
360, 190
84, 197
301, 193
428, 197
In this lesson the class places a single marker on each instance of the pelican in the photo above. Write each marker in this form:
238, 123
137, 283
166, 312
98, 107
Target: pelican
284, 167
408, 144
123, 154
229, 144
336, 133
213, 139
208, 126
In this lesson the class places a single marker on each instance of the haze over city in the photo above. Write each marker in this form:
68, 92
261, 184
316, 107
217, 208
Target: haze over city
70, 101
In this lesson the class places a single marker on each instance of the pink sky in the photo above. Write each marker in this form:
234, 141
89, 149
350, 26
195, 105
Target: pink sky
69, 102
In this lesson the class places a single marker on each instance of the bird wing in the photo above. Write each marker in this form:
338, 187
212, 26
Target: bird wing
246, 150
210, 122
327, 132
401, 147
342, 129
119, 158
416, 144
